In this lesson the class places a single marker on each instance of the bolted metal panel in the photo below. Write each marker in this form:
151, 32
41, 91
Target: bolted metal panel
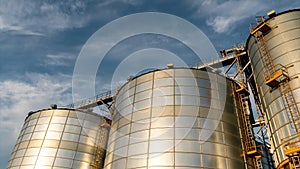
61, 138
283, 43
175, 118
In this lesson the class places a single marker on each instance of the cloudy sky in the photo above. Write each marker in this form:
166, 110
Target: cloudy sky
40, 42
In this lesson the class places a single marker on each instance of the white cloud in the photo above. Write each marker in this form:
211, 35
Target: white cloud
33, 17
17, 98
224, 16
17, 29
222, 24
61, 59
132, 2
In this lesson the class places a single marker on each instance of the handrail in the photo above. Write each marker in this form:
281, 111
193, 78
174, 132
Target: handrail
291, 145
95, 99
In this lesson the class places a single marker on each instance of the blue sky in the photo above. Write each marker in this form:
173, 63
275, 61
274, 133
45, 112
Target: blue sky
41, 40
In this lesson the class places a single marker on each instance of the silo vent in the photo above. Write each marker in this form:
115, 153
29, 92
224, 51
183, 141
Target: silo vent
53, 106
170, 65
271, 13
130, 78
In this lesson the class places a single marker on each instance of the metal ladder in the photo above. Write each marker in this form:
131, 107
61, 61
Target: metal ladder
250, 146
291, 105
259, 163
261, 130
269, 70
295, 161
242, 93
100, 148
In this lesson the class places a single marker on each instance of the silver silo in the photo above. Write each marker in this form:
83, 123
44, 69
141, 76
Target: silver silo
61, 138
175, 118
274, 50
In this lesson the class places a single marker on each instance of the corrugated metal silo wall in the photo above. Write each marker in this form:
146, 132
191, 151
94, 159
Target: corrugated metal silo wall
173, 119
283, 42
60, 138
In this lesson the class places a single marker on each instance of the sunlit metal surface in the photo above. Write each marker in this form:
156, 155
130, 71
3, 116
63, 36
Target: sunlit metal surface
59, 138
283, 42
162, 120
